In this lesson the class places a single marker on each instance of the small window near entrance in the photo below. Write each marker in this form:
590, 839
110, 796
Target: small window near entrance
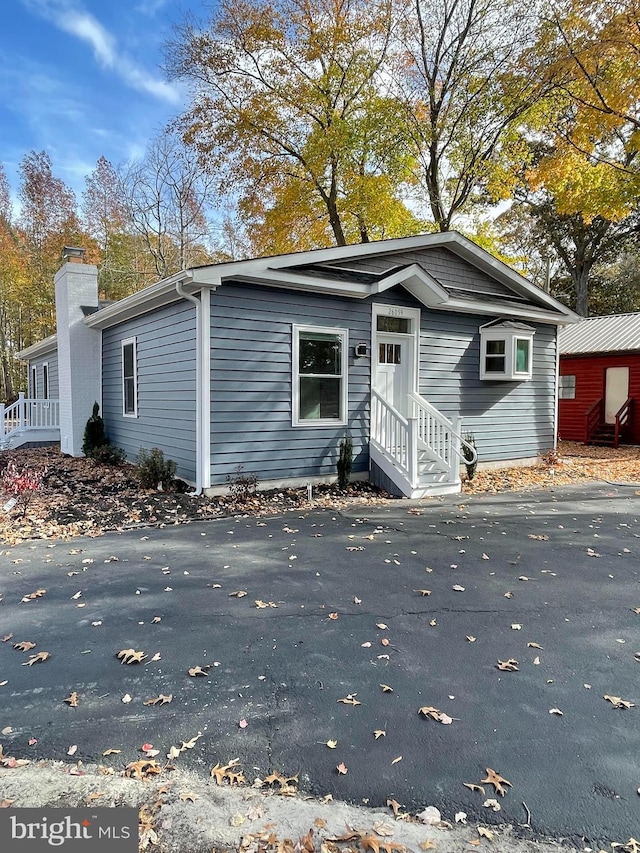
34, 382
389, 354
567, 388
397, 325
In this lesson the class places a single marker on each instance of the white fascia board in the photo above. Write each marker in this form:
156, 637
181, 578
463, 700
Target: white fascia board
418, 282
539, 315
42, 347
161, 293
311, 284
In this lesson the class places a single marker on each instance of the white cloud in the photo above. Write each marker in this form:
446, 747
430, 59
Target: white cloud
150, 7
71, 18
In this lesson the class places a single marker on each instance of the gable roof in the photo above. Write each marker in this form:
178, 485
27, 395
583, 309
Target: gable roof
612, 333
327, 271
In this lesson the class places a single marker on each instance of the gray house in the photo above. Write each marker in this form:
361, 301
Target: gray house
406, 345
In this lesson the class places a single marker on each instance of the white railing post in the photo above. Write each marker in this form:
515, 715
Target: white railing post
454, 462
22, 411
412, 452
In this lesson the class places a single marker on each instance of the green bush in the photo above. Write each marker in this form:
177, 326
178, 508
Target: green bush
109, 455
94, 434
470, 465
154, 471
345, 461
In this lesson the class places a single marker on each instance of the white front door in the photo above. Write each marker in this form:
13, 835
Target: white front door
616, 392
393, 374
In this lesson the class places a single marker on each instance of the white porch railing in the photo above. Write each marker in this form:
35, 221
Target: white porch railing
427, 430
396, 436
28, 414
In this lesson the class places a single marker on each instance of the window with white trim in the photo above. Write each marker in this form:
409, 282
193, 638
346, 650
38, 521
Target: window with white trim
506, 352
567, 387
45, 380
129, 378
319, 380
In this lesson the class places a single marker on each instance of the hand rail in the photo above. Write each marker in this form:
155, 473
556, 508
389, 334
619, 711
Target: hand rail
433, 427
622, 419
28, 413
593, 418
395, 435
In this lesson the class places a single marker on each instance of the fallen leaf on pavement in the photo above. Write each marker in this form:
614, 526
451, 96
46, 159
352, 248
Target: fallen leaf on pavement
231, 772
331, 744
471, 638
379, 733
431, 816
161, 699
72, 700
495, 779
24, 646
556, 711
510, 665
483, 832
188, 796
386, 688
423, 591
130, 656
199, 670
39, 658
112, 751
616, 701
350, 699
492, 804
33, 595
72, 749
342, 769
396, 760
142, 769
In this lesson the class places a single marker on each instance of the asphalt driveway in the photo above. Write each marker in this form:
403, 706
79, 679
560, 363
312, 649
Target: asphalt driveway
395, 608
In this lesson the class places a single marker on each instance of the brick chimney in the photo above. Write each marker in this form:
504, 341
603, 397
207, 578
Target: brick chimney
79, 368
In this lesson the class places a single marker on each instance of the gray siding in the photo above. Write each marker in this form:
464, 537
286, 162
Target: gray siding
54, 389
510, 420
251, 394
449, 269
166, 364
251, 338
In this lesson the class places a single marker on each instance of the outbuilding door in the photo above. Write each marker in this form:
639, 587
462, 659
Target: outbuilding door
616, 391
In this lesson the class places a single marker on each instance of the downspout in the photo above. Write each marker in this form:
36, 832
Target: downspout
200, 403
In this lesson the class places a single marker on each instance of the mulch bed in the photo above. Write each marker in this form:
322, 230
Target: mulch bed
79, 496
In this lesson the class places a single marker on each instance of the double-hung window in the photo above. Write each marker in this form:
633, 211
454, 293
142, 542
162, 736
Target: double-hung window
129, 378
567, 387
319, 376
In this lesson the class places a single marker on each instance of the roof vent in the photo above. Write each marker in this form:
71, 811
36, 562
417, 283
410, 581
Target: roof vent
73, 255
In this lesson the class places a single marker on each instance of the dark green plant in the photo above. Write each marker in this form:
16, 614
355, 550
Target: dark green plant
241, 486
345, 461
154, 471
470, 464
109, 455
94, 434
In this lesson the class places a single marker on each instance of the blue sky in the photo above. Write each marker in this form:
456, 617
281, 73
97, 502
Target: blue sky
83, 78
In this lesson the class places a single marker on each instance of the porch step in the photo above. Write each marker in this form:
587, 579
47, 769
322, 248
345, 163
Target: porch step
30, 438
603, 436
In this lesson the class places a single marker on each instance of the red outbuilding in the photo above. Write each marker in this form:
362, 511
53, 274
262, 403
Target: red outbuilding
599, 383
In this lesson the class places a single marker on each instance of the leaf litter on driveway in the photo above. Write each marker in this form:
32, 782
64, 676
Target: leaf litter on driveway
360, 687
